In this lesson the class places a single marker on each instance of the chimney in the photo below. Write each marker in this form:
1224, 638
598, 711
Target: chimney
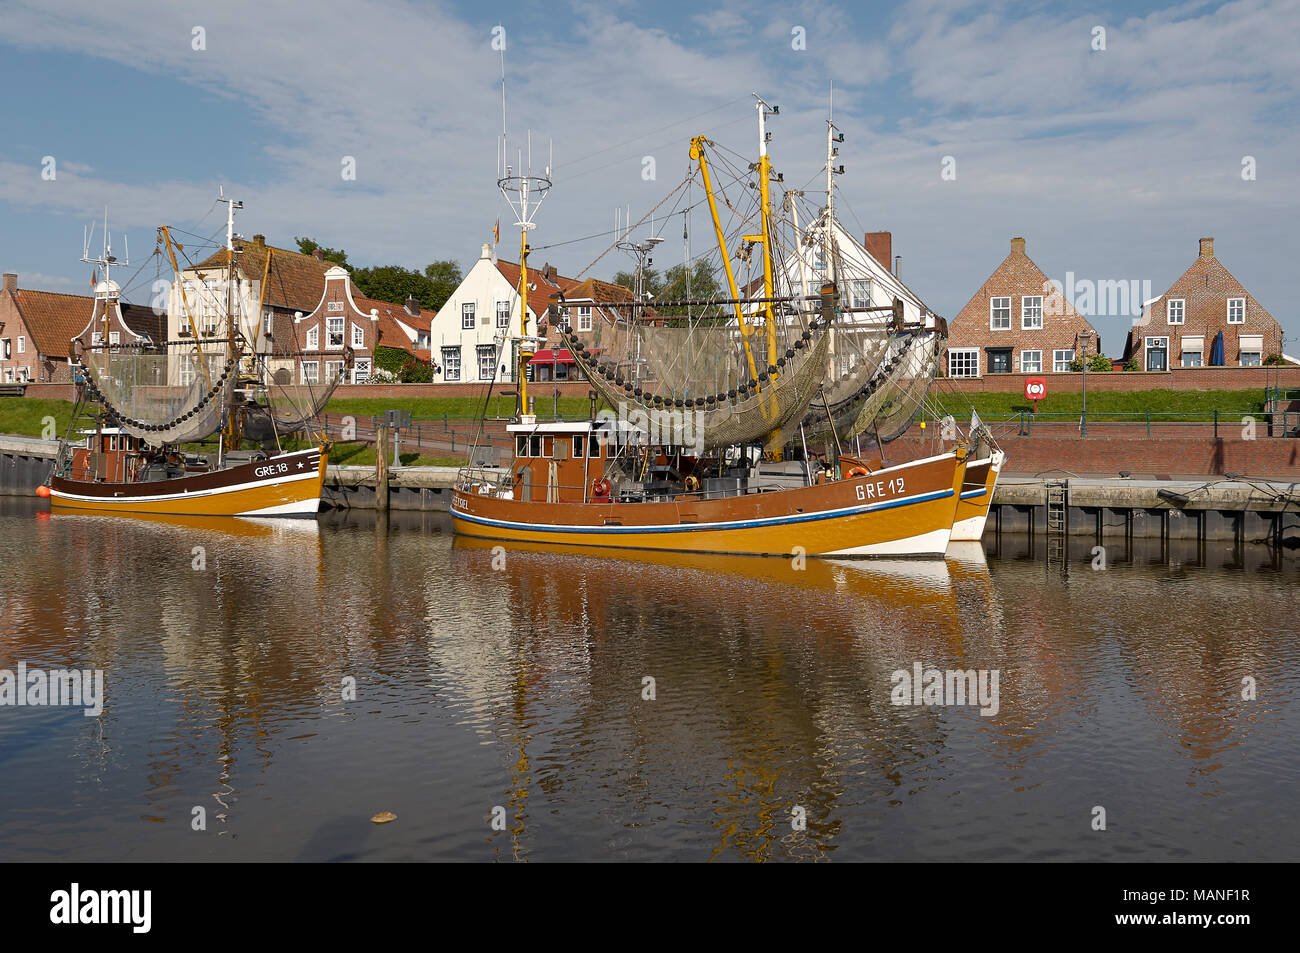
259, 240
1207, 247
486, 251
10, 281
880, 244
1017, 246
898, 264
412, 306
318, 254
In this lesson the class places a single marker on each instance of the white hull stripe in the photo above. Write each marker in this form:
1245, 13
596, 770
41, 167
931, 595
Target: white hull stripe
926, 544
705, 527
311, 474
971, 494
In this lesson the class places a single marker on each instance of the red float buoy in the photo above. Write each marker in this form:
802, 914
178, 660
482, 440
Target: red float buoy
43, 492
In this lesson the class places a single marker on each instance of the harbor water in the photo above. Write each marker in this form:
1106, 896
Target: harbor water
268, 687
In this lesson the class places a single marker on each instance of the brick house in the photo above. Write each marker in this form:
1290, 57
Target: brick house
310, 348
1179, 328
37, 328
1017, 323
296, 286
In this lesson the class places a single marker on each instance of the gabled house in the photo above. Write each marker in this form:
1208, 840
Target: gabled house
311, 348
470, 336
295, 289
37, 328
1017, 323
1179, 328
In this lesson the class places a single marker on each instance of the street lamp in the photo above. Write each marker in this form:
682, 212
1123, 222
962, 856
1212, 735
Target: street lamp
1084, 336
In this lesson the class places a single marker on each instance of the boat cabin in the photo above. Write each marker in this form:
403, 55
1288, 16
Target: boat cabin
566, 461
111, 455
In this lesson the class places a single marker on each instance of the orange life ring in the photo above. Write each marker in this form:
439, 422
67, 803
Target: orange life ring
600, 488
857, 472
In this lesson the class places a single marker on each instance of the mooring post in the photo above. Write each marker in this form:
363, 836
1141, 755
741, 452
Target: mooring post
381, 468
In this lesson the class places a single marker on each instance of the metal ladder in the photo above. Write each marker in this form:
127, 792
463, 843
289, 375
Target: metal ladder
1058, 501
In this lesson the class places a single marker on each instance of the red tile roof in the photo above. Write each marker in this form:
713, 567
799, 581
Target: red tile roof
295, 282
53, 319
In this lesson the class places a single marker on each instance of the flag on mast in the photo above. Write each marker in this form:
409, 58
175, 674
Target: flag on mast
496, 232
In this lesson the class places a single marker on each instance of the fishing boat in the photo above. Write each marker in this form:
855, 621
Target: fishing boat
141, 452
698, 448
976, 497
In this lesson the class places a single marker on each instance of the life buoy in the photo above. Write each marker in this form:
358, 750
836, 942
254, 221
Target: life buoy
600, 488
692, 484
857, 472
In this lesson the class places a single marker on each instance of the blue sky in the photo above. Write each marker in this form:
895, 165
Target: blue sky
1111, 163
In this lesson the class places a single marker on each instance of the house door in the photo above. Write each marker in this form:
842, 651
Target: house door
1157, 354
1000, 360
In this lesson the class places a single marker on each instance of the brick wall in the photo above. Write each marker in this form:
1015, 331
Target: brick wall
1196, 456
1180, 378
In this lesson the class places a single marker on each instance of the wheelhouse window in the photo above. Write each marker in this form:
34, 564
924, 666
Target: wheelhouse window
963, 362
1236, 310
1031, 313
1031, 362
579, 445
535, 445
1176, 310
1061, 360
451, 363
999, 318
467, 316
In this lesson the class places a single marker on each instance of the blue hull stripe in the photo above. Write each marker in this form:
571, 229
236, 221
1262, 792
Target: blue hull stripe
702, 527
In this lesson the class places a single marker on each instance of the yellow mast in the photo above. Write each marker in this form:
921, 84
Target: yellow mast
697, 154
525, 348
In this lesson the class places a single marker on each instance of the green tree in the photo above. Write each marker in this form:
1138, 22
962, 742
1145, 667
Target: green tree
431, 288
337, 255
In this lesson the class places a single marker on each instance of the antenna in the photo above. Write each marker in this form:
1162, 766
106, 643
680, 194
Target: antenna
106, 258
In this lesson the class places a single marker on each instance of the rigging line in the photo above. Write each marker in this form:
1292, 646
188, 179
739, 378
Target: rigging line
651, 146
629, 231
653, 132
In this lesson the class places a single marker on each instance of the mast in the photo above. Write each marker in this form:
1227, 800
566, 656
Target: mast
231, 432
765, 217
697, 153
519, 188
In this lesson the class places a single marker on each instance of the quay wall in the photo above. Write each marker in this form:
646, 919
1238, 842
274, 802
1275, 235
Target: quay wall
1178, 378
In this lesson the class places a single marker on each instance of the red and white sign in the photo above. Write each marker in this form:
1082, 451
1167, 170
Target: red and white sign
1035, 388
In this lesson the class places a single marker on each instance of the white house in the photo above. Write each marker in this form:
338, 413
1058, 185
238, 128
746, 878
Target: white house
470, 336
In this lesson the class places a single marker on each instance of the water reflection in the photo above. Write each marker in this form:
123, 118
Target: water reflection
514, 678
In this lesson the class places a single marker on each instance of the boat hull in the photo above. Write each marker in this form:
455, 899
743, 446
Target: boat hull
901, 511
976, 498
288, 484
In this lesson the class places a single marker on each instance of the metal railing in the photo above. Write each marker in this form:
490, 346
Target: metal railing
1217, 422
